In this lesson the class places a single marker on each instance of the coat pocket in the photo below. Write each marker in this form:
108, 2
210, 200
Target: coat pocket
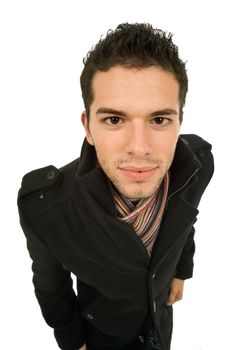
119, 318
98, 312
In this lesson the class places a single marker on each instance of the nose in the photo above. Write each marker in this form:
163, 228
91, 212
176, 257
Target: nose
138, 140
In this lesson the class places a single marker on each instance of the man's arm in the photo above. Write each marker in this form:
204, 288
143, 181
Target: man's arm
184, 270
54, 292
176, 291
83, 348
185, 264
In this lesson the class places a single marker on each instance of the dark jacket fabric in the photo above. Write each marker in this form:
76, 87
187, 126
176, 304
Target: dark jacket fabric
69, 218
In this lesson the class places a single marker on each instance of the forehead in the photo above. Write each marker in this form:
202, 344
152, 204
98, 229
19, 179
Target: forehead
121, 84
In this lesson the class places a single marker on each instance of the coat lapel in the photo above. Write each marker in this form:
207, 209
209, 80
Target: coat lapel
93, 196
179, 216
98, 187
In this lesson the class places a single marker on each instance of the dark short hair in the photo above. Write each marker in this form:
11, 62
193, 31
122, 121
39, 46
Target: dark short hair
136, 45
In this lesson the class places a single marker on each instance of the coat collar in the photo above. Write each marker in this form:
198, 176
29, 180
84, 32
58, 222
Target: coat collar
94, 180
184, 166
93, 185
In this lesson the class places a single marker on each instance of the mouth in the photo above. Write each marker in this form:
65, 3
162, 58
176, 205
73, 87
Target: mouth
138, 173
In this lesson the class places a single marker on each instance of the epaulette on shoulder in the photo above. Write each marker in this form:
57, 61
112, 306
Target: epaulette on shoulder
39, 180
195, 142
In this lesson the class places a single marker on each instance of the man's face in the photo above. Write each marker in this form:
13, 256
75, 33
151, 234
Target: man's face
134, 126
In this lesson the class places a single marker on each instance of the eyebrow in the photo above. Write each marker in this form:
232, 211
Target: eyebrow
165, 111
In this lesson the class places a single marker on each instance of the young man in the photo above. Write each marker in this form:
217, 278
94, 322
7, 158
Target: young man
120, 217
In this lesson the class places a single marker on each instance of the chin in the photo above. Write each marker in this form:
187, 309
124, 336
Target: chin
138, 191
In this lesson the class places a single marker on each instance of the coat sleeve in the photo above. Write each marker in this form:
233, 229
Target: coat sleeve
185, 265
54, 292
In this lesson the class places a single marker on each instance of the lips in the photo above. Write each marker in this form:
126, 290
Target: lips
138, 168
138, 173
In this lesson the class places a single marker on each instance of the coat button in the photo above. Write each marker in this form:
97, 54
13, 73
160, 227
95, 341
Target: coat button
51, 175
90, 316
141, 338
154, 306
154, 274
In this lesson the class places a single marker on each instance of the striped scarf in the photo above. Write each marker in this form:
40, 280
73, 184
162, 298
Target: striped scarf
146, 216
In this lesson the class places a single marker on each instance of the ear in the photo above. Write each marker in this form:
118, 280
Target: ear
84, 121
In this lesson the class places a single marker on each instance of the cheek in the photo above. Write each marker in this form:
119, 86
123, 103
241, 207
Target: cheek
105, 150
107, 146
166, 144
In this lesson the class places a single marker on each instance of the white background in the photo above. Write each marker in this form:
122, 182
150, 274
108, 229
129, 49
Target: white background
41, 51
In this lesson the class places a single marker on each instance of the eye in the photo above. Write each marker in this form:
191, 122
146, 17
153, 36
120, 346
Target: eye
160, 121
114, 120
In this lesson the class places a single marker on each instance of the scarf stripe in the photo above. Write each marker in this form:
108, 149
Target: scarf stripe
147, 215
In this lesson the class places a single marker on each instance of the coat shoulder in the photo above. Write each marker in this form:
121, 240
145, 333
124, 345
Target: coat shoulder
202, 150
196, 143
39, 179
48, 186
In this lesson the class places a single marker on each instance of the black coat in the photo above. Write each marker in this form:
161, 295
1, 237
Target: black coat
69, 218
